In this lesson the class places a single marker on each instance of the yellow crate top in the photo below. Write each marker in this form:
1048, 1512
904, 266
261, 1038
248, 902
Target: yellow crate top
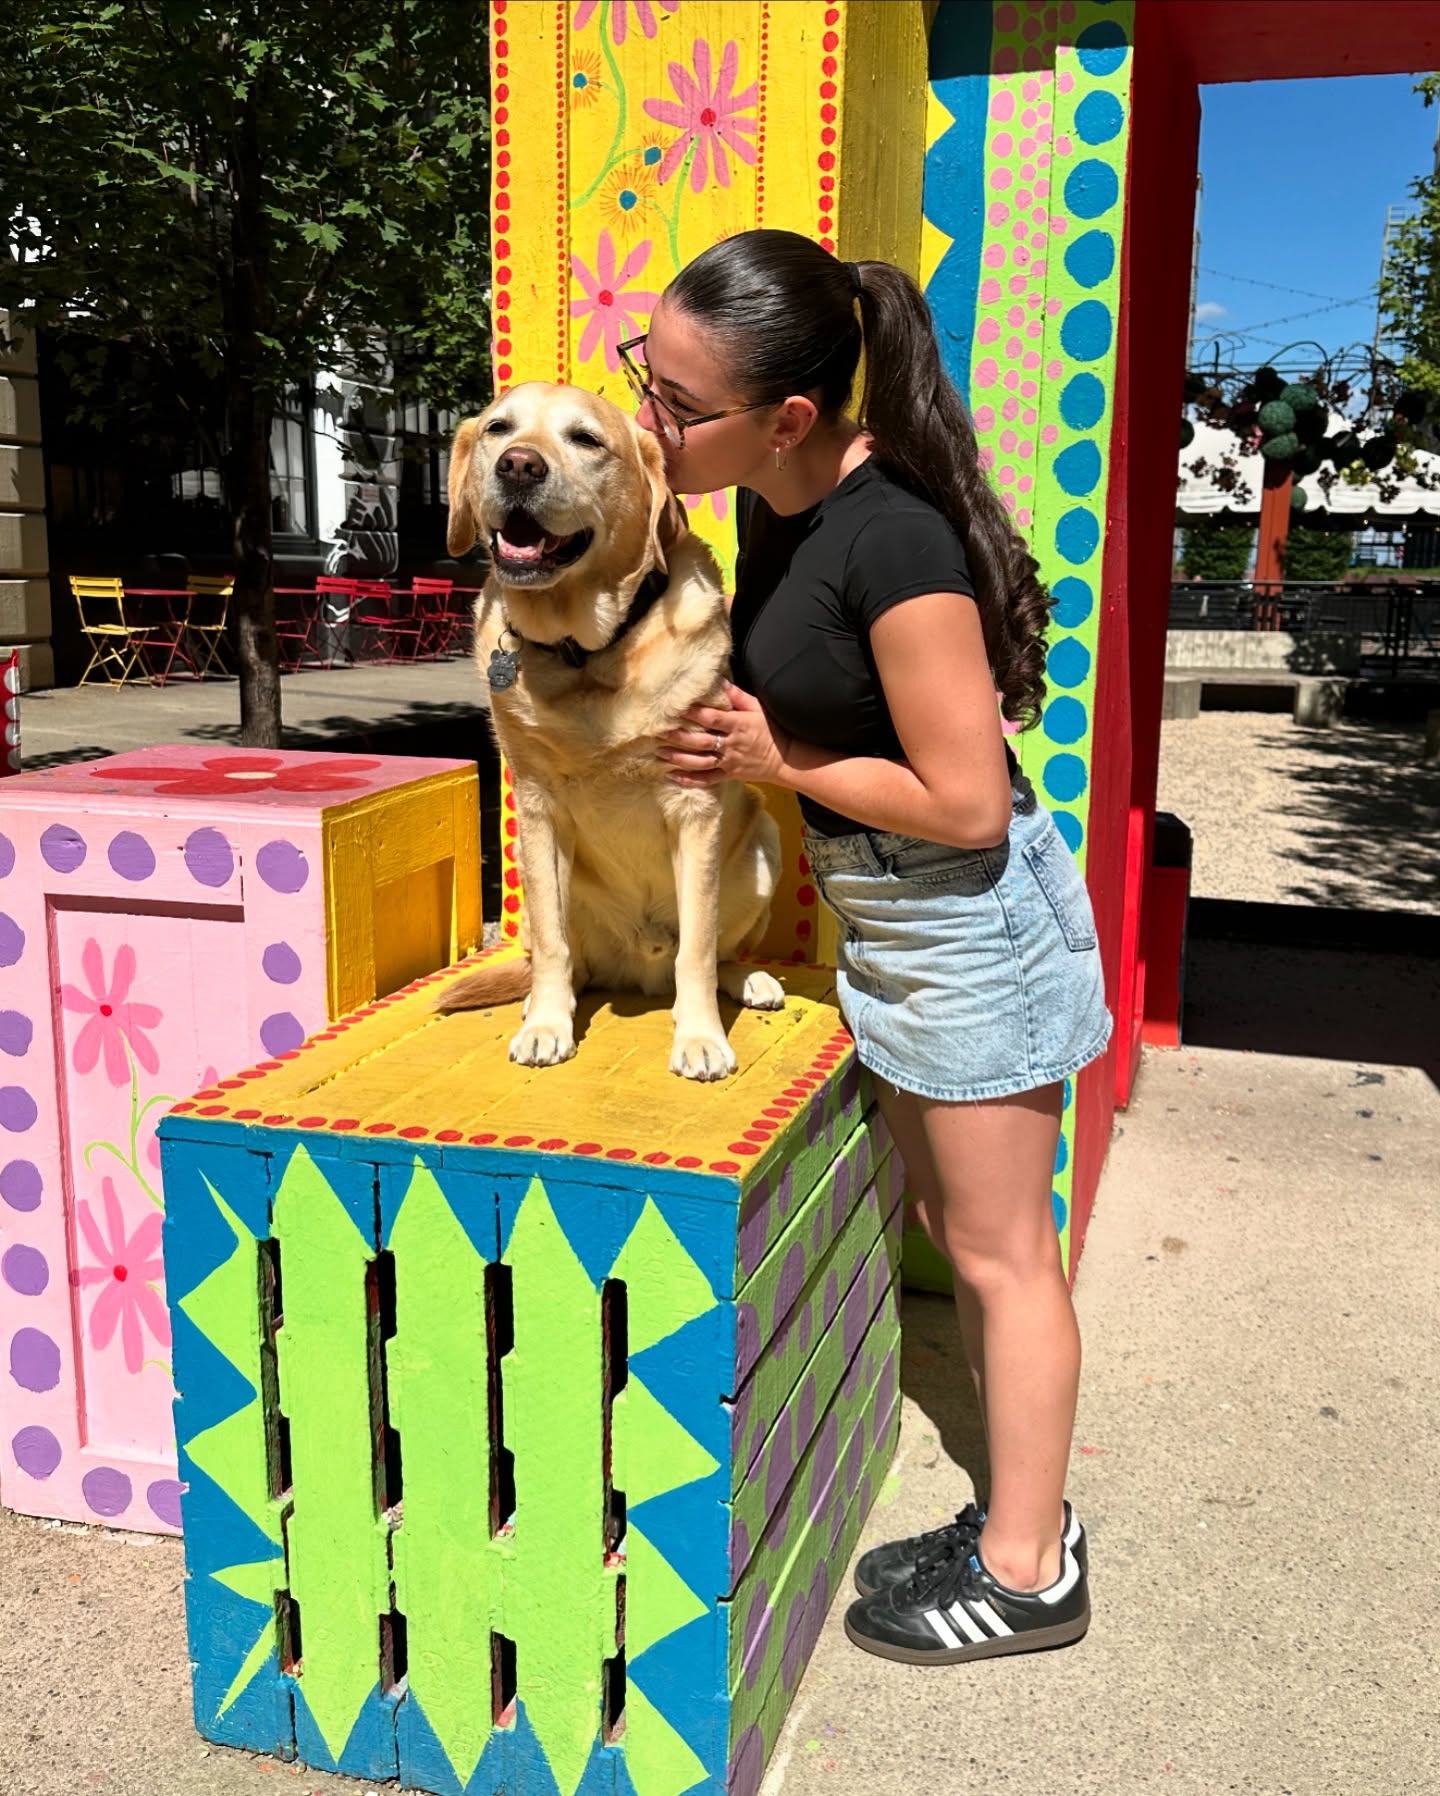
397, 1069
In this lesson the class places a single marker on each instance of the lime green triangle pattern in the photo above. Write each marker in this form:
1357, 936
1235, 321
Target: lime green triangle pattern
223, 1307
659, 1600
447, 1571
258, 1583
666, 1288
559, 1606
653, 1452
339, 1573
658, 1760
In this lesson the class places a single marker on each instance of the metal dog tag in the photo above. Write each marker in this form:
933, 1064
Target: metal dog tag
504, 669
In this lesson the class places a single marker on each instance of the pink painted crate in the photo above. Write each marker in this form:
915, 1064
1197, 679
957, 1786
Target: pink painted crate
167, 916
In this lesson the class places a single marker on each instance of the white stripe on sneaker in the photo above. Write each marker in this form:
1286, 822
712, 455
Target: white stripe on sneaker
983, 1612
942, 1630
973, 1631
1066, 1582
1072, 1533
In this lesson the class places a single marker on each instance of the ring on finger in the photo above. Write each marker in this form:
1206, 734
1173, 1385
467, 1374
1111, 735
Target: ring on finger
719, 741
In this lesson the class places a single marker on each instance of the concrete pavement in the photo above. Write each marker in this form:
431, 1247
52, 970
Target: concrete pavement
1256, 1461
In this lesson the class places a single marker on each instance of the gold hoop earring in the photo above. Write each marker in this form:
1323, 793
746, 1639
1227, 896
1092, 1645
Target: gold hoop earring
781, 461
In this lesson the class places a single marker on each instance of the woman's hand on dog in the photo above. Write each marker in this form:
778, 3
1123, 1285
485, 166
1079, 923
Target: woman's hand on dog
740, 743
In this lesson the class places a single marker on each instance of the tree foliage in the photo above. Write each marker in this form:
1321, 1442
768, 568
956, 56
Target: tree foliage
246, 195
1410, 278
1217, 551
1318, 554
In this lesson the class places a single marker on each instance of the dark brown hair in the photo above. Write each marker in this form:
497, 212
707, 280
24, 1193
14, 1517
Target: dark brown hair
787, 309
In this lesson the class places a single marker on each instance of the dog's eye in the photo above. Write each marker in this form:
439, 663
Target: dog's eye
584, 439
497, 427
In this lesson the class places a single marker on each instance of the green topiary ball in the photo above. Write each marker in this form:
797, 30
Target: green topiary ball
1306, 460
1277, 418
1268, 384
1300, 396
1310, 426
1280, 448
1378, 453
1343, 448
1299, 498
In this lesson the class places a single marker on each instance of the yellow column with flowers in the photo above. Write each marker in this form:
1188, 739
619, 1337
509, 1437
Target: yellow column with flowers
630, 135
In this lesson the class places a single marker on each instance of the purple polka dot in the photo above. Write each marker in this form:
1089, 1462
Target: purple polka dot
62, 848
852, 1377
209, 857
16, 1033
817, 1234
281, 1032
36, 1451
107, 1491
758, 1624
21, 1185
739, 1417
857, 1314
7, 857
12, 941
837, 1523
840, 1198
778, 1527
17, 1109
747, 1763
817, 1608
832, 1295
785, 1196
131, 856
754, 1224
281, 963
282, 866
814, 1118
792, 1660
34, 1360
865, 1496
854, 1461
885, 1395
25, 1269
792, 1282
747, 1337
781, 1463
822, 1467
807, 1327
882, 1280
739, 1547
806, 1418
757, 1441
163, 1496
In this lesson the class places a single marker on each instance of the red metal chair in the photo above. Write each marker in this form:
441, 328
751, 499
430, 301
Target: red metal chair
443, 624
296, 616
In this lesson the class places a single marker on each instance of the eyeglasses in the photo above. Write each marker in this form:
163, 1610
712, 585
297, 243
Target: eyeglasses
672, 425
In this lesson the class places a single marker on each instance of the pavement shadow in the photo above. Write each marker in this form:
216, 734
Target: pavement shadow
1314, 1003
1369, 811
935, 1376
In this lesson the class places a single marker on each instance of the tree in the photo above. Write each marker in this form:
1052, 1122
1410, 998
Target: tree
1410, 283
1217, 551
245, 195
1318, 554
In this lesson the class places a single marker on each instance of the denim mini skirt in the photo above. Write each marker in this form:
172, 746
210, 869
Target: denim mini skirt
966, 974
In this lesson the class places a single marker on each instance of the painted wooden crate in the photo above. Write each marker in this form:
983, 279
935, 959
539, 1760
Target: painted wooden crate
165, 916
528, 1417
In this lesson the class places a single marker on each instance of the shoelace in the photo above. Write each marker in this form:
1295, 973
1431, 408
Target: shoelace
939, 1546
941, 1583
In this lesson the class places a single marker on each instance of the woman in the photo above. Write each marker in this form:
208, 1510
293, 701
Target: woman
881, 599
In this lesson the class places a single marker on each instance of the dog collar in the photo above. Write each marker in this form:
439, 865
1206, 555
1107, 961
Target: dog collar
504, 667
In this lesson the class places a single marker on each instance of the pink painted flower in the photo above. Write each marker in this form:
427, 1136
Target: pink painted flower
719, 502
123, 1266
233, 774
614, 309
112, 1020
644, 15
707, 115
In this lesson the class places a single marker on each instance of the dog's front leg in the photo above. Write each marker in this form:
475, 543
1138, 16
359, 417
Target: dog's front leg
547, 848
701, 1050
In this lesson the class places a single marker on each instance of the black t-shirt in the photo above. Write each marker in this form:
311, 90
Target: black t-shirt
807, 590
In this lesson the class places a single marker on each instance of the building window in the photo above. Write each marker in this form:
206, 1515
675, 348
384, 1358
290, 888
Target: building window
292, 466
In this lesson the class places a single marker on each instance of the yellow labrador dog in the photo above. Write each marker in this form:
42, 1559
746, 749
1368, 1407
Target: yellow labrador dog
602, 620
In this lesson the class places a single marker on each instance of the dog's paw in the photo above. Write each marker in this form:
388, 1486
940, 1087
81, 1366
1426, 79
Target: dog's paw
543, 1044
762, 991
702, 1057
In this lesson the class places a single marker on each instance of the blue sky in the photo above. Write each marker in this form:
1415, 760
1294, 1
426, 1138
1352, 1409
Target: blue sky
1297, 178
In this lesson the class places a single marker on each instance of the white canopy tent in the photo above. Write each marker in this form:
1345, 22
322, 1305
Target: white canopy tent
1199, 495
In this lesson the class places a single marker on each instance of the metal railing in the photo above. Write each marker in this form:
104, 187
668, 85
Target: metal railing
1395, 624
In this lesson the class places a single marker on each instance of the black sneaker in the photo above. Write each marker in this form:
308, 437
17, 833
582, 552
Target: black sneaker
958, 1611
882, 1568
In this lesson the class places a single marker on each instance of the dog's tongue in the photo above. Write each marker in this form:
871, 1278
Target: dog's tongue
522, 538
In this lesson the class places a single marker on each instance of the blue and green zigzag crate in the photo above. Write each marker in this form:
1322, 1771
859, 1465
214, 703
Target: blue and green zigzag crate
528, 1417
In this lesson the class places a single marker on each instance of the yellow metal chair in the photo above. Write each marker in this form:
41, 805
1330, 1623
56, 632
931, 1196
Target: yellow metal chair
113, 639
205, 621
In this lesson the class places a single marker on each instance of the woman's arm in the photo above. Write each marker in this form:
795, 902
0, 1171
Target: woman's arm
952, 787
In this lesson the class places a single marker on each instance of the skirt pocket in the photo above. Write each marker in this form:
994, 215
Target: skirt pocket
1059, 879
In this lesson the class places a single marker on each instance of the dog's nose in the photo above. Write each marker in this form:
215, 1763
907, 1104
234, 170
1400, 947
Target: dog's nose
523, 466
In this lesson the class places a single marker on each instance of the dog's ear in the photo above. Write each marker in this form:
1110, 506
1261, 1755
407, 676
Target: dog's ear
668, 523
463, 528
